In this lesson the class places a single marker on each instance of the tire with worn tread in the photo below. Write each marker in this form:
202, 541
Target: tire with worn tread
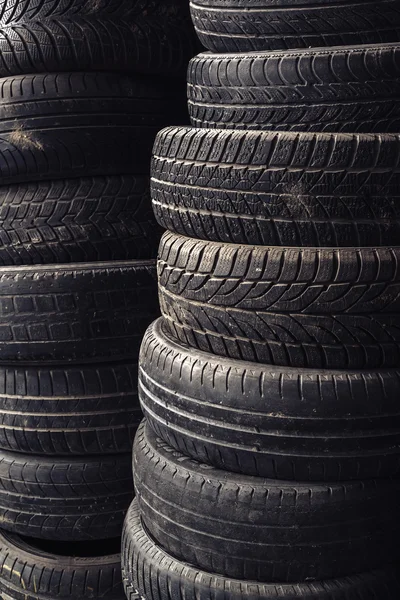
151, 573
328, 308
69, 571
77, 220
71, 124
76, 313
70, 499
158, 46
262, 529
352, 88
69, 410
275, 188
281, 423
232, 26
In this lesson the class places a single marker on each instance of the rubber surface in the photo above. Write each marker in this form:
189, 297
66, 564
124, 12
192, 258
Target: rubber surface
76, 498
27, 572
154, 45
231, 26
72, 124
76, 313
282, 423
149, 571
293, 189
77, 220
257, 529
69, 410
351, 88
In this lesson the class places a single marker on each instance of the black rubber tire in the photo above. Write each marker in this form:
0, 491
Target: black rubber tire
71, 124
77, 220
293, 189
76, 313
14, 11
329, 308
281, 423
231, 26
159, 46
71, 499
29, 571
155, 575
69, 410
257, 529
352, 88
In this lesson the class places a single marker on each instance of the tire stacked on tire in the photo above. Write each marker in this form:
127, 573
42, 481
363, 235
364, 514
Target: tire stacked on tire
268, 463
85, 86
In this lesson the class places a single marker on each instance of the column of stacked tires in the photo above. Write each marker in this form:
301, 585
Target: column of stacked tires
84, 88
268, 462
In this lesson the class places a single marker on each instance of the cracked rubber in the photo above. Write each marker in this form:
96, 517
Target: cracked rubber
33, 570
70, 499
232, 26
77, 220
327, 308
69, 410
274, 188
256, 529
148, 570
354, 89
72, 124
282, 423
76, 313
158, 46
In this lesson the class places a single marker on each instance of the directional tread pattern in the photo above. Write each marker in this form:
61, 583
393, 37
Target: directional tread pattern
77, 220
274, 531
339, 89
161, 46
78, 498
75, 313
253, 419
248, 27
52, 577
69, 410
148, 571
277, 189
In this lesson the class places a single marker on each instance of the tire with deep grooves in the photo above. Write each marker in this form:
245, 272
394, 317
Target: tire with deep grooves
352, 88
229, 26
275, 531
154, 45
55, 576
64, 410
76, 313
275, 188
282, 423
77, 220
70, 499
144, 562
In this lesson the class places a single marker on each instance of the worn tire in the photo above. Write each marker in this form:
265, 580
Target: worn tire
69, 410
151, 573
293, 189
72, 124
145, 45
352, 88
333, 308
83, 219
250, 419
231, 26
33, 570
75, 498
273, 531
76, 313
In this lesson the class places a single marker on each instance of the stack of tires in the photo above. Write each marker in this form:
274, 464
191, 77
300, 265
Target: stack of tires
268, 462
85, 86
